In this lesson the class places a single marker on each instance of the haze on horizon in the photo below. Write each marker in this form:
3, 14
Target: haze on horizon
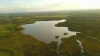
47, 5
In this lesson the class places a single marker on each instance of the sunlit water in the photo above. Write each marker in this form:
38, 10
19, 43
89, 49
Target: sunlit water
46, 31
81, 46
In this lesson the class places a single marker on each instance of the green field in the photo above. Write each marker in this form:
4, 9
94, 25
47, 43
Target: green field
88, 24
14, 43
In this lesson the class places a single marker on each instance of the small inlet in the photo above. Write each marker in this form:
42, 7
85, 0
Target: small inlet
80, 44
58, 47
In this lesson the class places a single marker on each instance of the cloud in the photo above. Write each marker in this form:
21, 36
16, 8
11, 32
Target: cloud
26, 7
57, 6
4, 9
68, 6
1, 6
22, 7
47, 6
17, 1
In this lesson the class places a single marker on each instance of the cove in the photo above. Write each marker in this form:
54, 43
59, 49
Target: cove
46, 31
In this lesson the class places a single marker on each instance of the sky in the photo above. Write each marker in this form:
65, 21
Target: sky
47, 5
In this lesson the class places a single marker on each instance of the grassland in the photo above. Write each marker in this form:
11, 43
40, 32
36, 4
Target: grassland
88, 24
14, 43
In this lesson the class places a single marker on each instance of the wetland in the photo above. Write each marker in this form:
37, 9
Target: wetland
29, 34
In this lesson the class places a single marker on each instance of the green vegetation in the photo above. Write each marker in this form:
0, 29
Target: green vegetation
69, 47
88, 24
65, 33
56, 36
14, 43
6, 52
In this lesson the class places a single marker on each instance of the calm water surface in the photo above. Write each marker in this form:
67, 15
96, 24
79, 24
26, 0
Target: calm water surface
46, 31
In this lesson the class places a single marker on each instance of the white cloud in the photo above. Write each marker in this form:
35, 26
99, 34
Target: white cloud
4, 9
18, 1
22, 6
1, 6
68, 5
50, 5
57, 6
26, 7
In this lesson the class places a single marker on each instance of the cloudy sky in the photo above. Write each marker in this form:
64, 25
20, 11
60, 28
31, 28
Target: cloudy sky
47, 5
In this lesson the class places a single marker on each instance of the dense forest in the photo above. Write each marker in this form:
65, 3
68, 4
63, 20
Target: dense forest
14, 43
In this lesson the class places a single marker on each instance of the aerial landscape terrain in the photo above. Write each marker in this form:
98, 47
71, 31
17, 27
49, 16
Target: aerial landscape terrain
50, 28
86, 40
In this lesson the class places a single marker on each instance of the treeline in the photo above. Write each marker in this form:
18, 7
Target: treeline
88, 24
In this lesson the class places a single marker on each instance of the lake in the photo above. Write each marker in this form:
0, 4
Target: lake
46, 31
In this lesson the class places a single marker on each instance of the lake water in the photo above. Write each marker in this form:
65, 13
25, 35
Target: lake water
46, 31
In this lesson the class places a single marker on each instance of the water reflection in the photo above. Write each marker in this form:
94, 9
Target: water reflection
46, 31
